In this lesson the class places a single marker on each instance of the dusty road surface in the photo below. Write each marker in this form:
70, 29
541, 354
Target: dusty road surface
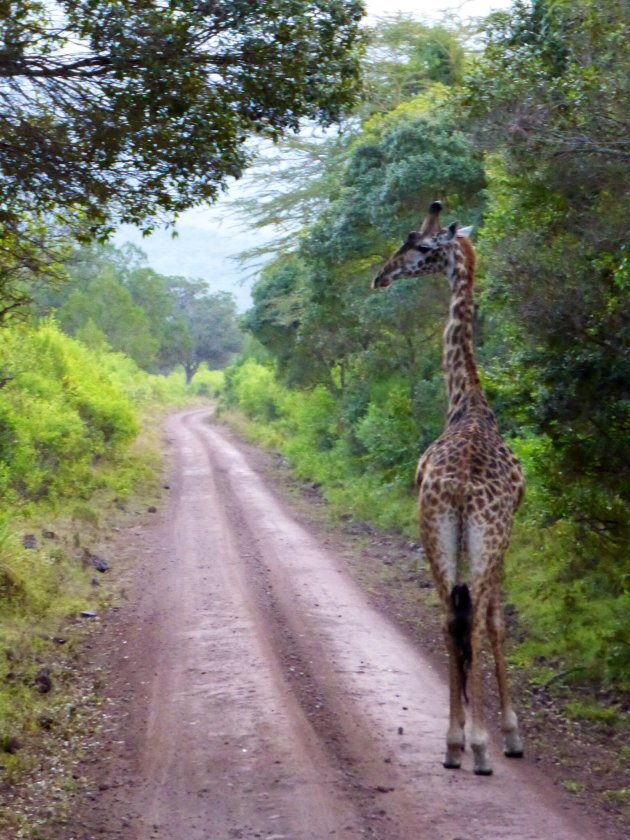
257, 694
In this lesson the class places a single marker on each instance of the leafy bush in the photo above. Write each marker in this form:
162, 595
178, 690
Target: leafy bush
60, 414
208, 383
570, 590
314, 440
390, 435
254, 389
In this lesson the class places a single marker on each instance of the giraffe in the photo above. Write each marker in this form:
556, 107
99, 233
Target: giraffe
469, 487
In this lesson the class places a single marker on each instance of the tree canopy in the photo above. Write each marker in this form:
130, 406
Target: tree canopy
120, 110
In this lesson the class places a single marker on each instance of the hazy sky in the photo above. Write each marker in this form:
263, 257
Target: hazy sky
208, 237
435, 8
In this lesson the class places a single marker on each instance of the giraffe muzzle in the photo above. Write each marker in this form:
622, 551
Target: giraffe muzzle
380, 282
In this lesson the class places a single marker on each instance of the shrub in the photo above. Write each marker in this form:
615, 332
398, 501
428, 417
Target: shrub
60, 415
390, 436
253, 388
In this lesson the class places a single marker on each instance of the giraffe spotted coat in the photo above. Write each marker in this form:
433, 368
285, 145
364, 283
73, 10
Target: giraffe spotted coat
469, 485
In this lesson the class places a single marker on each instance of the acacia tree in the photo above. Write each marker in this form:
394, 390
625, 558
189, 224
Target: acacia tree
296, 180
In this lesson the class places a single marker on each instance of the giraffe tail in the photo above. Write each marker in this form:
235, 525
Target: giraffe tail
460, 629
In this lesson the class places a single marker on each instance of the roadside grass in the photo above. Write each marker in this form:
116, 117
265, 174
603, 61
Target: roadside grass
80, 436
45, 703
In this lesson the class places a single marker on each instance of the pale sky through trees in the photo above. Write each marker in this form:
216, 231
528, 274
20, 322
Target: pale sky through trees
208, 238
435, 8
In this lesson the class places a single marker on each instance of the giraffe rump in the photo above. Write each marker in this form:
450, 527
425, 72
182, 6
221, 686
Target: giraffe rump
460, 627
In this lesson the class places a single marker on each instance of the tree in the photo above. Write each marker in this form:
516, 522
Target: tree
295, 181
126, 110
203, 327
405, 58
553, 82
108, 305
556, 75
32, 256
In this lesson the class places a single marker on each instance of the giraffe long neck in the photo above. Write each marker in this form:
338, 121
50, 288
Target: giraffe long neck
463, 385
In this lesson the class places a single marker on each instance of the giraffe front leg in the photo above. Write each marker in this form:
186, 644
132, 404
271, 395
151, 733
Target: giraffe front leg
455, 738
513, 745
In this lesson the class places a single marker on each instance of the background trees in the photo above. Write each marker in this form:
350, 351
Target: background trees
113, 299
202, 328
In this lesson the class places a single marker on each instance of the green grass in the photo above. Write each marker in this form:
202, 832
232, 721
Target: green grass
608, 716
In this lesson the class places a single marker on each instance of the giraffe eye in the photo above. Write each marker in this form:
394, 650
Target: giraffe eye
424, 249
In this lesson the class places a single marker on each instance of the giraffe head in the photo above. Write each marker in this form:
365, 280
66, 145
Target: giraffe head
425, 251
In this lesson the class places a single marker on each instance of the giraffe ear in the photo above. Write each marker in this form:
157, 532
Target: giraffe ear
465, 231
453, 229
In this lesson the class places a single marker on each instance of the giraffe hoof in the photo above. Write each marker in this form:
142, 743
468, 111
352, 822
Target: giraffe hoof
451, 765
513, 753
483, 771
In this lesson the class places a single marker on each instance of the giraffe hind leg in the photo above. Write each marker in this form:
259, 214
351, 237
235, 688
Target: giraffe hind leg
479, 734
441, 542
513, 745
457, 635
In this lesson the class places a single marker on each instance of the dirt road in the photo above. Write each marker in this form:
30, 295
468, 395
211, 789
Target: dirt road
257, 694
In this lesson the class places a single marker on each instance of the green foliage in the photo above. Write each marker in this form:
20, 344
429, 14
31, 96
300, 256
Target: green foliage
208, 383
254, 389
310, 308
389, 434
59, 414
107, 306
310, 426
32, 255
295, 185
112, 300
208, 326
402, 159
68, 422
405, 57
132, 110
565, 575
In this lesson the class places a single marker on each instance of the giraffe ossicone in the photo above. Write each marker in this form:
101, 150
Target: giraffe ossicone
469, 487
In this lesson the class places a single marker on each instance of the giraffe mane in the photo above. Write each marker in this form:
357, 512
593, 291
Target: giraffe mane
471, 257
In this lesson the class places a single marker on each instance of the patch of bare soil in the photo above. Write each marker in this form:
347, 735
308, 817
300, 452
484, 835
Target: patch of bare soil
270, 675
